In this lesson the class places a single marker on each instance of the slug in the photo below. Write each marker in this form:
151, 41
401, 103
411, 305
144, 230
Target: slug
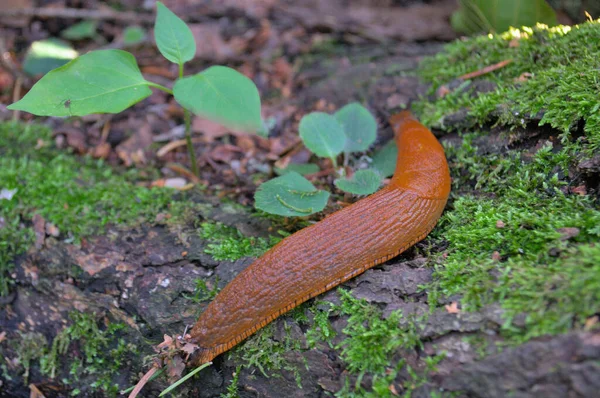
339, 247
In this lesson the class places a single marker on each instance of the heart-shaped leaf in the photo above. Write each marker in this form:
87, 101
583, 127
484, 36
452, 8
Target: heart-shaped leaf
359, 125
363, 182
290, 195
322, 134
384, 160
103, 81
223, 95
173, 37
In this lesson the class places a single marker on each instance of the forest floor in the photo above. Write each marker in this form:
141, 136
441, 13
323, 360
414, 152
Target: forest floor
100, 258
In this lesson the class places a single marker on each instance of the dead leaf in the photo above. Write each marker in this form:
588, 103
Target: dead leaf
579, 190
189, 348
500, 224
210, 43
75, 138
16, 22
568, 233
168, 342
101, 151
523, 77
225, 153
52, 230
39, 226
132, 151
175, 367
452, 308
2, 336
34, 392
397, 101
208, 128
496, 256
590, 323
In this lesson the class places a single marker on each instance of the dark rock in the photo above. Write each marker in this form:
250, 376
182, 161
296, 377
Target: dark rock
561, 366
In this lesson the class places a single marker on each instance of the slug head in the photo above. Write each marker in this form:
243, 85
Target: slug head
421, 165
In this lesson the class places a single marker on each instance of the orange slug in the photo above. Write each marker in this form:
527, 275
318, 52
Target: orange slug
339, 247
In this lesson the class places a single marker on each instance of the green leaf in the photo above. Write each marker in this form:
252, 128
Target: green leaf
45, 55
306, 168
104, 81
133, 35
290, 195
223, 95
363, 182
359, 125
322, 134
475, 16
384, 160
173, 37
81, 30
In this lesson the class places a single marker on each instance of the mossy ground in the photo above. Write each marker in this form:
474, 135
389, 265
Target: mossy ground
79, 196
554, 70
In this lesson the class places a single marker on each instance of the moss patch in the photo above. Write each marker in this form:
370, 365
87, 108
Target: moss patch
227, 243
79, 196
553, 70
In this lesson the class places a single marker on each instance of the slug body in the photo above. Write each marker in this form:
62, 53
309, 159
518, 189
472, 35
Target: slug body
340, 247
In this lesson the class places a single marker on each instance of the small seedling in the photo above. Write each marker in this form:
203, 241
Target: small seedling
110, 81
351, 129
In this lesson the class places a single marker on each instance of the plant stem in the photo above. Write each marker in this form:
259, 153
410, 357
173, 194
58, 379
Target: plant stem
190, 145
188, 135
160, 87
334, 161
184, 378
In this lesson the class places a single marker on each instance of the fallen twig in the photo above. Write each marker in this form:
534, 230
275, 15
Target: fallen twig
48, 12
485, 70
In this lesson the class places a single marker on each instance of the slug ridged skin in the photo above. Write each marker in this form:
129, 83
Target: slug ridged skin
340, 247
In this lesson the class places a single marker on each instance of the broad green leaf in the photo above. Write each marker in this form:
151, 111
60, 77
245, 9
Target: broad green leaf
45, 55
104, 81
81, 30
384, 160
359, 125
173, 37
475, 16
306, 168
290, 195
322, 134
363, 182
223, 95
133, 35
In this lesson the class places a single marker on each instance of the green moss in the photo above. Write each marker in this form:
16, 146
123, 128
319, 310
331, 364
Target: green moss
524, 263
103, 354
227, 243
29, 345
232, 388
370, 346
268, 355
80, 196
563, 81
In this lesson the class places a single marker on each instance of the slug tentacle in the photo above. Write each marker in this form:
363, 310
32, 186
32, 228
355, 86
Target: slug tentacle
345, 244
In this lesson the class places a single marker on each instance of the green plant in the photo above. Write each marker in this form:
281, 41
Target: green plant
350, 130
110, 81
